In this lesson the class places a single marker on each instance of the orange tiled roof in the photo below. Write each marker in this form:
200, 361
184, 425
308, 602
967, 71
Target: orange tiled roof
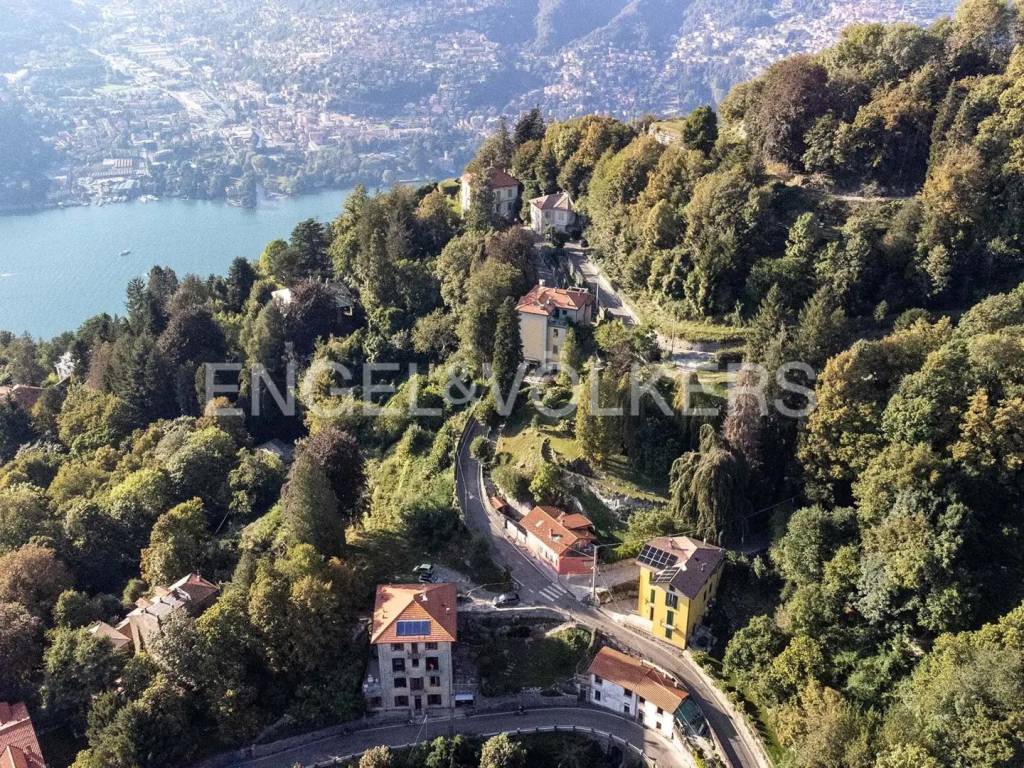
546, 523
633, 674
18, 744
496, 178
559, 200
544, 300
434, 603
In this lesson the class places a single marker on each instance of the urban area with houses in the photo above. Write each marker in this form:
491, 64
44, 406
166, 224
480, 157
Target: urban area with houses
387, 575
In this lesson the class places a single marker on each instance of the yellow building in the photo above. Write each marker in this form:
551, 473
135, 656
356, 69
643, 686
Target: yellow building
678, 578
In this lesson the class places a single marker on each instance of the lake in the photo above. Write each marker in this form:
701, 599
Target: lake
60, 267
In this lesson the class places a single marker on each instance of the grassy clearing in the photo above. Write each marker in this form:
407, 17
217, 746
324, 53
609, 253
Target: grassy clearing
508, 664
667, 317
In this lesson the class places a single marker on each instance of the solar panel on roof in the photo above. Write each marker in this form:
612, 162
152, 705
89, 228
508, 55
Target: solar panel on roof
656, 558
665, 576
413, 628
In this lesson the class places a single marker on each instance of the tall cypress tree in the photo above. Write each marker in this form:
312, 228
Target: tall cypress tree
508, 350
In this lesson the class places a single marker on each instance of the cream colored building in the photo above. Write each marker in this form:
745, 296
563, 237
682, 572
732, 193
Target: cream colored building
553, 211
414, 628
504, 185
545, 315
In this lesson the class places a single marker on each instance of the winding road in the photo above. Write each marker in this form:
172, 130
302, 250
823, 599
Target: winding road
737, 744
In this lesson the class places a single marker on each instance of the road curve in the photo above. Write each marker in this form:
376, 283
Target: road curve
739, 746
600, 724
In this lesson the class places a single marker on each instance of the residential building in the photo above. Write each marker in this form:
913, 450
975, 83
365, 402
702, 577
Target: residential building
120, 636
553, 211
21, 395
562, 541
413, 629
342, 297
632, 687
190, 593
19, 747
678, 579
503, 185
545, 315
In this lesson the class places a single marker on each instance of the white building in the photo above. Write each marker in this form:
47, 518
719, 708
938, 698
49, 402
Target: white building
414, 627
545, 315
504, 186
553, 211
631, 687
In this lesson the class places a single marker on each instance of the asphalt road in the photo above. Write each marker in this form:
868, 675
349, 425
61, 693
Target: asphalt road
485, 725
738, 745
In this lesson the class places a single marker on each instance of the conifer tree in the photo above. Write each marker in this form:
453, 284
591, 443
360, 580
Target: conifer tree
508, 352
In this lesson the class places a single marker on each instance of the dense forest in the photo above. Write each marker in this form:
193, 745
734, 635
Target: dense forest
860, 210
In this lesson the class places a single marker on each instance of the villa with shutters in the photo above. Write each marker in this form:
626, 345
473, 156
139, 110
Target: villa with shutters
413, 629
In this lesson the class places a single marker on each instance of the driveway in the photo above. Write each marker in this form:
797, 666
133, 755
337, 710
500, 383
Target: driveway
604, 725
738, 745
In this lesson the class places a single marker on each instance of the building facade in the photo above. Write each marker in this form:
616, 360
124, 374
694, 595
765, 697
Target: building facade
504, 186
545, 316
553, 211
414, 628
630, 687
563, 542
679, 577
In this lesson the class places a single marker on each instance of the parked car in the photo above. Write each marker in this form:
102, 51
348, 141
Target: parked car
507, 599
424, 568
425, 578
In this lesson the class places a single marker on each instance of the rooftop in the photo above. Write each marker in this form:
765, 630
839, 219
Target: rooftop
544, 300
636, 676
414, 613
558, 531
680, 562
557, 201
19, 747
496, 178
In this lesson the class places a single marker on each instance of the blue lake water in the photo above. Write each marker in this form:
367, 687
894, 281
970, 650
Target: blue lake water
60, 267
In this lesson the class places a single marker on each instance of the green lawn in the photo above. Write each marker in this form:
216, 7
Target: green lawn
522, 443
508, 664
666, 316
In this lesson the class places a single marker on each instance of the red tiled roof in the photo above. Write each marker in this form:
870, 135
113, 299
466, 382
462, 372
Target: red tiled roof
559, 200
18, 743
414, 602
496, 178
543, 300
634, 675
546, 524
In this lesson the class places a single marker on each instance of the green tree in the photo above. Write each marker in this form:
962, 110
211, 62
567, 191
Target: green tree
502, 752
708, 488
21, 647
700, 129
77, 666
508, 352
34, 577
309, 508
178, 545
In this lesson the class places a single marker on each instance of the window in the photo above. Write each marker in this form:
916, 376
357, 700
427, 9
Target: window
376, 702
401, 701
670, 618
660, 711
627, 694
435, 681
668, 633
416, 684
399, 682
413, 628
554, 349
650, 613
415, 663
398, 665
433, 664
398, 646
414, 647
654, 596
671, 600
597, 695
597, 680
625, 708
434, 700
430, 646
